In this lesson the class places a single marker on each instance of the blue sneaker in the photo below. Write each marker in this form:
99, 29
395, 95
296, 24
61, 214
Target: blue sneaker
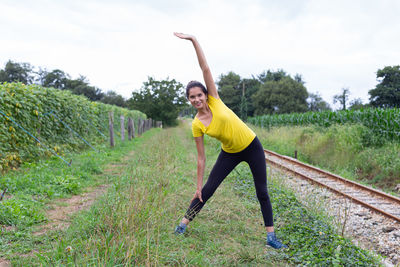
272, 241
180, 229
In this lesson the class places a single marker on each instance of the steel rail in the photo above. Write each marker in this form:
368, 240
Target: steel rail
396, 199
336, 177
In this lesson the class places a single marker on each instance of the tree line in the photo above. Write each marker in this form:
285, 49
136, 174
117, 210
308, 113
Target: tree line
270, 92
159, 100
26, 73
276, 92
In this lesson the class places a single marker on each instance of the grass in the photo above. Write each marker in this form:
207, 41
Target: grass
132, 224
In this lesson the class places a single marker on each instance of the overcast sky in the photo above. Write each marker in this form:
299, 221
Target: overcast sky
118, 44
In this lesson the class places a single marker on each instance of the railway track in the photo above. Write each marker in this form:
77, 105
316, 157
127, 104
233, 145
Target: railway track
370, 198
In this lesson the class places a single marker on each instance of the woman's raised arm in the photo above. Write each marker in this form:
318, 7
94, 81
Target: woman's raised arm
208, 79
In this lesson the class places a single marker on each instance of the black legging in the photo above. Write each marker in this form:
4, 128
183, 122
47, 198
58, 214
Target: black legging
226, 162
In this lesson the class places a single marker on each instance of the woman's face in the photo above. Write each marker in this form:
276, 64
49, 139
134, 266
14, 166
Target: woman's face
197, 98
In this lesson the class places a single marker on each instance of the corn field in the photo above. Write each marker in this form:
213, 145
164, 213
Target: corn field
383, 122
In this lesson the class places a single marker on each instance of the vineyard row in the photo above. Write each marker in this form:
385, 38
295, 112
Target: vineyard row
37, 121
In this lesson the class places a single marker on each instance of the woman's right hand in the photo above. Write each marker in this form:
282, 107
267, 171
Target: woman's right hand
184, 36
197, 195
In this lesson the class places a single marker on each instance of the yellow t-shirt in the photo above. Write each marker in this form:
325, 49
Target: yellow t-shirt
225, 126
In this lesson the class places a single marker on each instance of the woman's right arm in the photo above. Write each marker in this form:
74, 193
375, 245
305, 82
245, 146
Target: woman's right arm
208, 79
201, 163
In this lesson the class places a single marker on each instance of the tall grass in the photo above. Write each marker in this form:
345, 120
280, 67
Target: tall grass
343, 149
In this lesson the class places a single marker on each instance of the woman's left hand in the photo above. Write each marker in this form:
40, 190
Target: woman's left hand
197, 195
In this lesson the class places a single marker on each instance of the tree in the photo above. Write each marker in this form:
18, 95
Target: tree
56, 78
60, 80
272, 76
243, 105
112, 98
316, 103
342, 98
159, 100
298, 78
230, 91
357, 104
17, 72
81, 86
387, 93
251, 86
280, 95
23, 72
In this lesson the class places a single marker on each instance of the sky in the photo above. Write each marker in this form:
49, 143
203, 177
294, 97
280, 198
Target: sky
118, 44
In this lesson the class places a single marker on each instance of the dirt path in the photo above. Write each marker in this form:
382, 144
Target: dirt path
4, 263
59, 215
61, 211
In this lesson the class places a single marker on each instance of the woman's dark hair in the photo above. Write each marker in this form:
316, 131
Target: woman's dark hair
195, 84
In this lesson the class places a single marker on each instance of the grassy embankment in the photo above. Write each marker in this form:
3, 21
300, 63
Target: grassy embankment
133, 222
343, 149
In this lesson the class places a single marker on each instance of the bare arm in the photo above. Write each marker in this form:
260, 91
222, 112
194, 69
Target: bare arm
208, 79
201, 162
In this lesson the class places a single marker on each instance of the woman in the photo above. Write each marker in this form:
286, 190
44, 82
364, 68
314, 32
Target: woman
239, 143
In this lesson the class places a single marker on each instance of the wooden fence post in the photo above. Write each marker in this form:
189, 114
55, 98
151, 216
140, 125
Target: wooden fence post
122, 128
131, 129
111, 126
138, 125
